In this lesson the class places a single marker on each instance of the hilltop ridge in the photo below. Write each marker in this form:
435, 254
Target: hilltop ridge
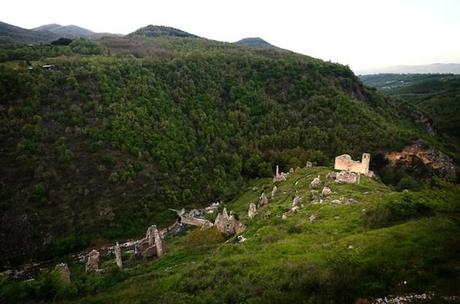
254, 42
160, 30
67, 31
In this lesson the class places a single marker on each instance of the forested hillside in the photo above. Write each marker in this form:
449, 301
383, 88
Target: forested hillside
436, 95
99, 146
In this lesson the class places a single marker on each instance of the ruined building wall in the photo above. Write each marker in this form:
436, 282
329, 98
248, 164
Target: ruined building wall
344, 162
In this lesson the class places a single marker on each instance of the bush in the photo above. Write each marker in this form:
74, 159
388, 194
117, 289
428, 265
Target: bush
85, 47
39, 192
203, 237
409, 183
394, 212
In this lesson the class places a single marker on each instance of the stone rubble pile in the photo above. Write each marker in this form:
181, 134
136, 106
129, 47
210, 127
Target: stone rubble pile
194, 217
92, 262
213, 207
263, 200
347, 177
274, 190
252, 211
316, 182
63, 272
118, 259
279, 177
227, 224
326, 191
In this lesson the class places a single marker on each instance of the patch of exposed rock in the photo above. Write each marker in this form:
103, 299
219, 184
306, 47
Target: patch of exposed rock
420, 152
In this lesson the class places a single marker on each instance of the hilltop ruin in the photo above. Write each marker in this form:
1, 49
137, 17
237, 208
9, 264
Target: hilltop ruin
344, 162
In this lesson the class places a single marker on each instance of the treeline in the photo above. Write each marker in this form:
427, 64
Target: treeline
61, 47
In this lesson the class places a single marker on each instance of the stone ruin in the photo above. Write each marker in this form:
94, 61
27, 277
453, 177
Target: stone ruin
274, 190
227, 224
347, 177
118, 259
345, 163
158, 241
252, 211
351, 170
92, 263
63, 272
326, 191
213, 207
279, 177
194, 218
316, 182
263, 200
296, 201
150, 246
296, 204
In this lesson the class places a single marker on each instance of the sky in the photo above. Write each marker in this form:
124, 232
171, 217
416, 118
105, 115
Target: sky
363, 34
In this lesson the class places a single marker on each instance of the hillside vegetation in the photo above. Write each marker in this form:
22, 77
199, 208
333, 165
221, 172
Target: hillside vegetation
363, 241
436, 95
122, 129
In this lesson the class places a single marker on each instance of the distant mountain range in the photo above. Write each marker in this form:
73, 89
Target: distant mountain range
45, 33
435, 68
50, 32
68, 31
10, 33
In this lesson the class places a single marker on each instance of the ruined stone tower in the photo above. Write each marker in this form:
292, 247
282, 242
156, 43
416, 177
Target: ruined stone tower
365, 160
345, 163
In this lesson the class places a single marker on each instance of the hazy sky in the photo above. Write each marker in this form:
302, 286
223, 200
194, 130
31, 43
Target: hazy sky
360, 33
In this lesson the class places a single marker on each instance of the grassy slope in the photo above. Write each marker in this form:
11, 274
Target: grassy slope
360, 250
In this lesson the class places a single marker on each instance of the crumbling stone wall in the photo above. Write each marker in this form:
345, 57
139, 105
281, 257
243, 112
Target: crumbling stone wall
345, 163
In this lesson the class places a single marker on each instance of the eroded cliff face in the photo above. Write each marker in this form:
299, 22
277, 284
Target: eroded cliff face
420, 152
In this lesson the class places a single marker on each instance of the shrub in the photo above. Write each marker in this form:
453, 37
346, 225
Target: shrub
200, 237
394, 212
409, 183
39, 192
